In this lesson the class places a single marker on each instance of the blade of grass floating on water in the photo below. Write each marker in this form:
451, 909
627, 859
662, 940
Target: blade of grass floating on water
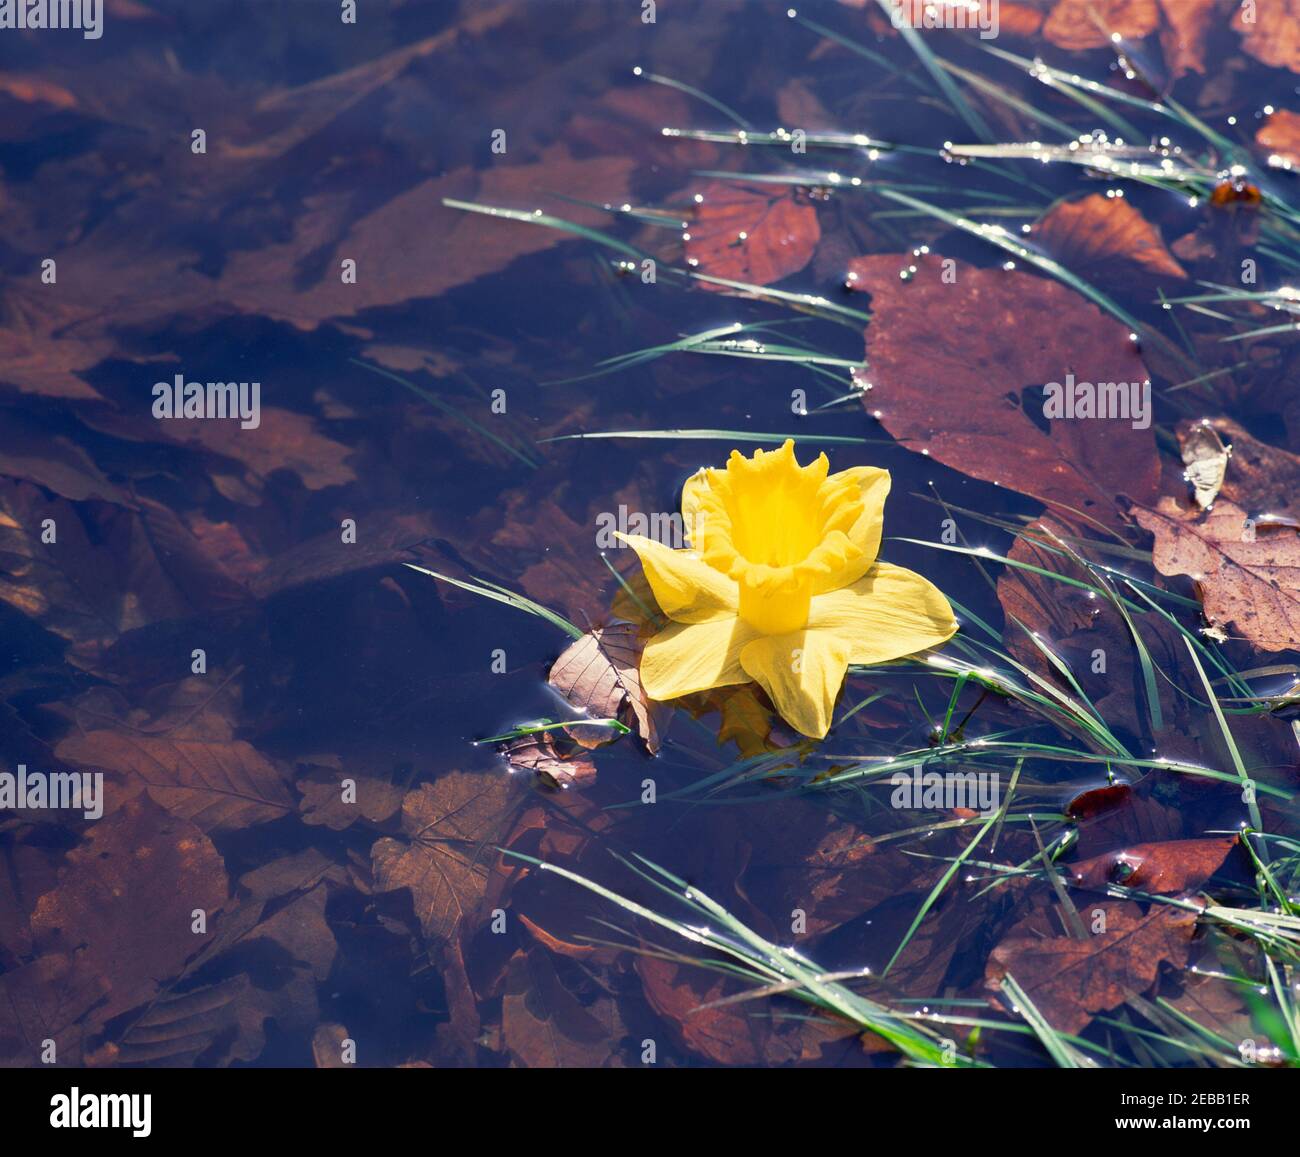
1088, 93
722, 436
853, 46
537, 217
538, 728
446, 408
500, 594
1247, 784
730, 113
732, 938
936, 892
960, 105
991, 88
998, 236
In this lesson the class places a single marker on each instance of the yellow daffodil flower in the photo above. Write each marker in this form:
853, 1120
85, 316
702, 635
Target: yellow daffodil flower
781, 586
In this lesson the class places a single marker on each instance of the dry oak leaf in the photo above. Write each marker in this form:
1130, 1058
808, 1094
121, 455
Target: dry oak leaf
219, 784
598, 674
1280, 135
1270, 32
751, 234
976, 347
1082, 24
1249, 579
126, 898
1070, 980
1162, 868
446, 851
1105, 239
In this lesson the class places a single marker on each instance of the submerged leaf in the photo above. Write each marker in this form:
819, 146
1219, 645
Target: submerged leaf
1070, 980
751, 234
973, 400
1104, 239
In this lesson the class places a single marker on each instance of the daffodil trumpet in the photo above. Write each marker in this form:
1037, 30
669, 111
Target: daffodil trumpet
781, 586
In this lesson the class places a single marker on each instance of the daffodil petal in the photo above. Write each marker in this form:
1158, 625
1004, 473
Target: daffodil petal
863, 529
802, 673
688, 657
888, 613
686, 588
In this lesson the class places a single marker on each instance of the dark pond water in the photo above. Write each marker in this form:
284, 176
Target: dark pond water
325, 660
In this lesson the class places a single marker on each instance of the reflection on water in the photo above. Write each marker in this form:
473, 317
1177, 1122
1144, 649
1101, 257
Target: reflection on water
222, 624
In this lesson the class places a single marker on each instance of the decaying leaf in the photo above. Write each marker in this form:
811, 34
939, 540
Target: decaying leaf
751, 234
449, 831
599, 675
1271, 32
1083, 24
126, 899
993, 340
1247, 578
1186, 32
1205, 459
541, 754
1070, 980
544, 1025
1280, 135
219, 784
1167, 867
1103, 239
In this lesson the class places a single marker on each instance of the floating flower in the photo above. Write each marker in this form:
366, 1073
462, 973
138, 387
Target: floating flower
781, 586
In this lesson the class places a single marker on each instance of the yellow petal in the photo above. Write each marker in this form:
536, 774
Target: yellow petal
685, 587
802, 673
854, 500
688, 657
888, 613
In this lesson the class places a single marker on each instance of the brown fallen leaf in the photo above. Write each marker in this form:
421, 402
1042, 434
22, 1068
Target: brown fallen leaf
1166, 867
1280, 135
751, 234
92, 572
1070, 981
729, 1034
221, 1023
1082, 24
542, 755
219, 784
50, 999
1115, 814
327, 1046
1271, 32
126, 899
1261, 478
446, 849
328, 802
1248, 579
545, 1026
1186, 31
1105, 239
598, 674
992, 338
